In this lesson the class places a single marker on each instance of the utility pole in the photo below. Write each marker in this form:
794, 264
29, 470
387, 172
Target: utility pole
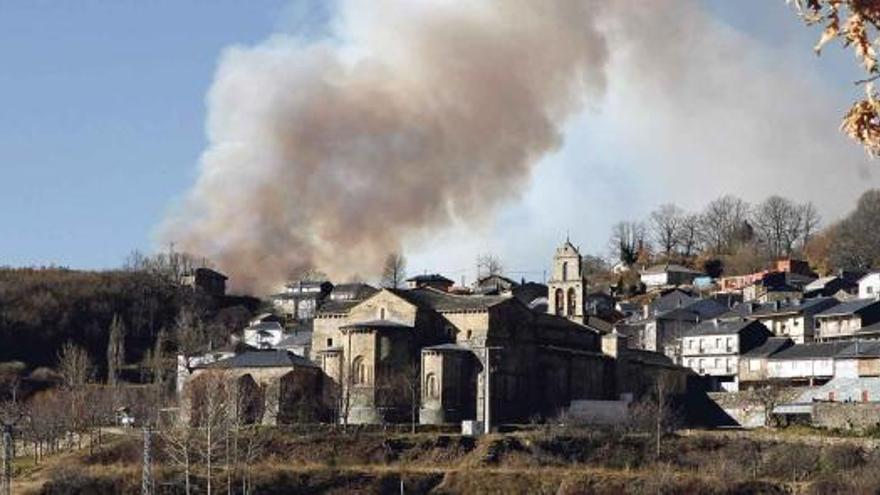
147, 484
8, 454
487, 390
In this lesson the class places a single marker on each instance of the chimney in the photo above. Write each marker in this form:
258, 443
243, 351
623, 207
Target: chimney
714, 321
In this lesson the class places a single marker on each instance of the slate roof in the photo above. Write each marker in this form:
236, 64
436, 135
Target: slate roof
860, 349
770, 346
431, 277
376, 324
266, 326
817, 350
669, 267
849, 307
294, 339
528, 292
794, 307
337, 307
353, 291
720, 327
671, 300
262, 359
436, 300
449, 347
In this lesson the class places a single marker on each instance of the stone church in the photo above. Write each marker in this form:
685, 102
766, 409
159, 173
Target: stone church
436, 344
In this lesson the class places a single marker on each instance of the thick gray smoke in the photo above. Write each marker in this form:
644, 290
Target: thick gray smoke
330, 153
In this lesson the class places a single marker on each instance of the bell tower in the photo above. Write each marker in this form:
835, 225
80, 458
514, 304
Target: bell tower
567, 284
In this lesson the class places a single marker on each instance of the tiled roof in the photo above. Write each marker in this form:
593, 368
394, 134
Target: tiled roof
860, 348
262, 359
670, 267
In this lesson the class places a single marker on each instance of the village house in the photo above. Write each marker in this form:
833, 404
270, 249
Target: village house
433, 281
300, 300
793, 318
209, 281
713, 349
753, 363
268, 386
829, 286
494, 284
668, 275
869, 285
666, 319
845, 320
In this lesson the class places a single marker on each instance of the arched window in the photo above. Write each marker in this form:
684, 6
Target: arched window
359, 371
564, 270
559, 301
572, 302
431, 386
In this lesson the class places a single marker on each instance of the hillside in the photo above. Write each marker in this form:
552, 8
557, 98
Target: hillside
41, 309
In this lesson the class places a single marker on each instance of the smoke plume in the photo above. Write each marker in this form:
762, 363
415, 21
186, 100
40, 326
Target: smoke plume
329, 153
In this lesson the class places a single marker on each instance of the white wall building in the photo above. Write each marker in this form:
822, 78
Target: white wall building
869, 285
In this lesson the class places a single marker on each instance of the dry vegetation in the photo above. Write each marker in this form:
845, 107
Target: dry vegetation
551, 460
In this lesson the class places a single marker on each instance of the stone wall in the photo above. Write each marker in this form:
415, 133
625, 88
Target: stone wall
856, 415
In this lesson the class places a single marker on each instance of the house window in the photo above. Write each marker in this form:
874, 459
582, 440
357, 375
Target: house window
718, 342
382, 313
359, 371
870, 289
431, 386
329, 342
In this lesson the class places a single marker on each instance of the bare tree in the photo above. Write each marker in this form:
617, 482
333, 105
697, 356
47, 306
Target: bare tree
688, 233
724, 224
810, 221
489, 264
115, 350
628, 240
189, 332
401, 386
666, 223
778, 225
74, 366
394, 271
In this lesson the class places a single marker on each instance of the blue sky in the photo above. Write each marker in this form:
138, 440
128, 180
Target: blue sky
102, 121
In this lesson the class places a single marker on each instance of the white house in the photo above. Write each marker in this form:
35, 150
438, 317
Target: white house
869, 285
264, 335
713, 348
668, 274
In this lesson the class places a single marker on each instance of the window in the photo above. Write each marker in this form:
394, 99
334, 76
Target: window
572, 302
564, 270
431, 386
382, 313
870, 289
560, 301
329, 342
359, 371
718, 342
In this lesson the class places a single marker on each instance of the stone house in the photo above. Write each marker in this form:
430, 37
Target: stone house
263, 386
209, 281
713, 348
829, 286
845, 320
